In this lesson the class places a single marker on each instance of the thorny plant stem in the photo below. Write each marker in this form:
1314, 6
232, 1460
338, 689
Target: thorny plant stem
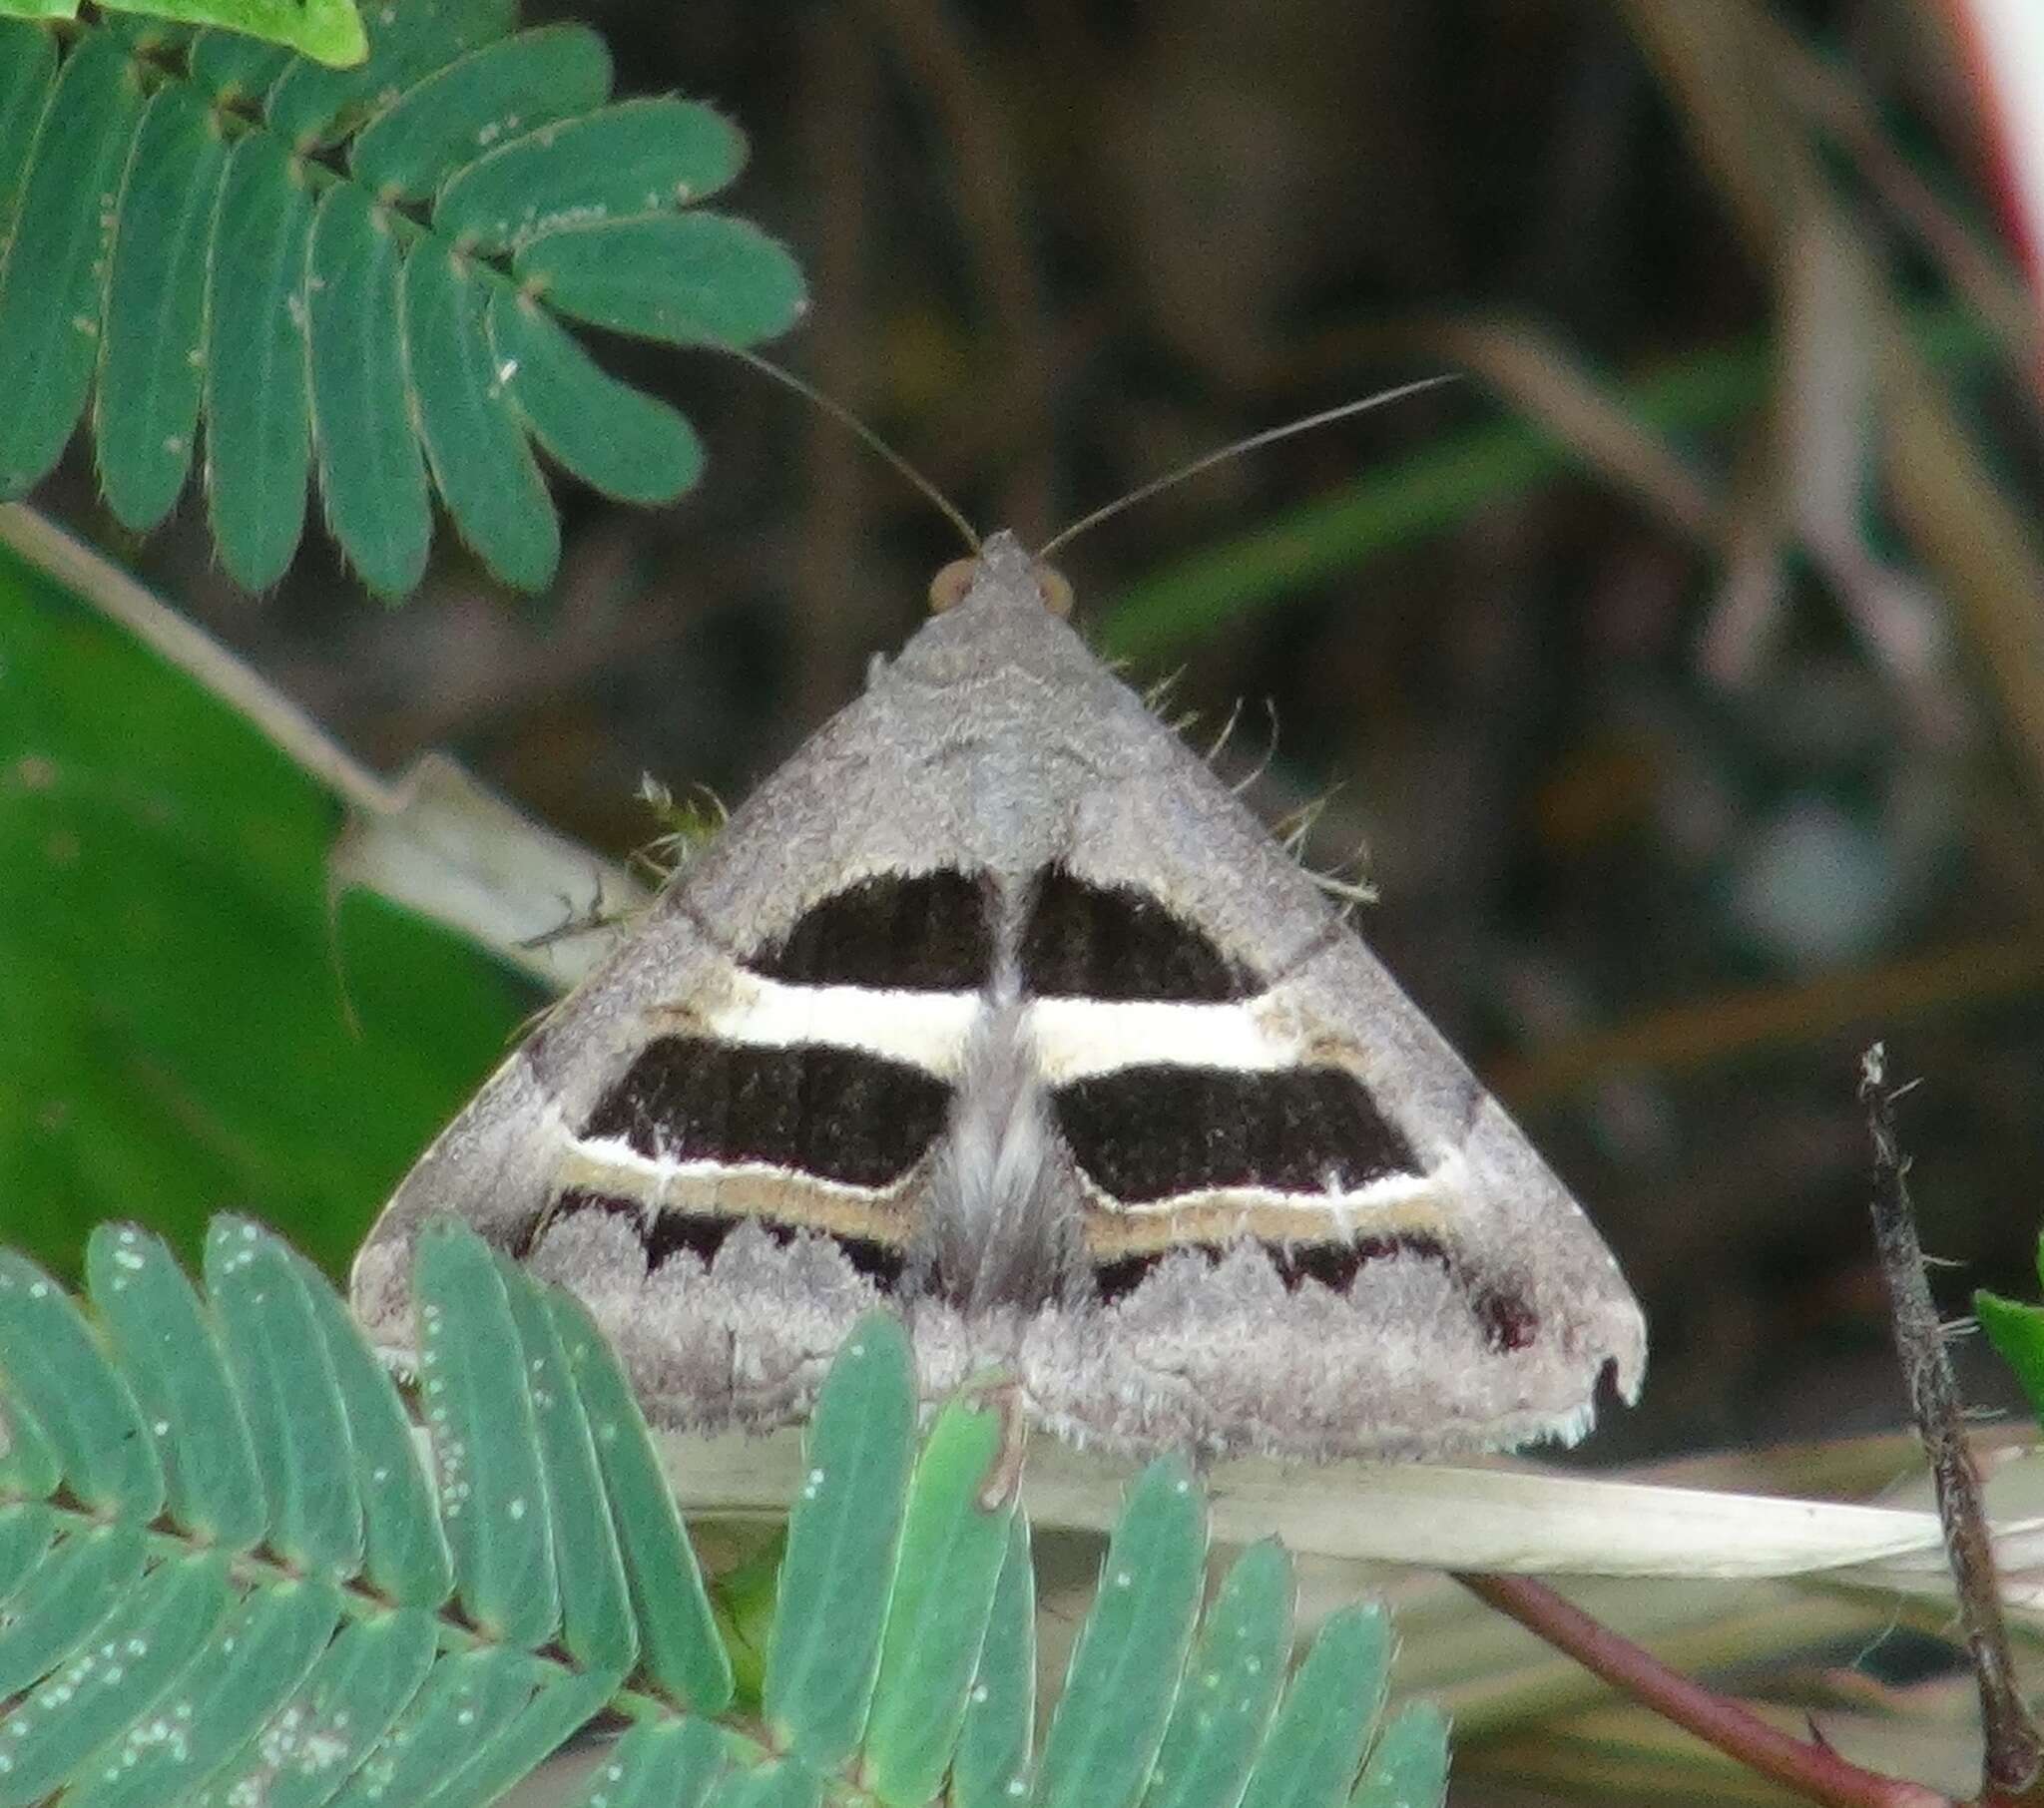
1810, 1768
2014, 1753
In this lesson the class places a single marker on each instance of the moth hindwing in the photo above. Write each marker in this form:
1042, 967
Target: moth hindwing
994, 1004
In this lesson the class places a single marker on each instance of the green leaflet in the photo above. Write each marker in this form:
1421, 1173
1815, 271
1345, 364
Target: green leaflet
29, 1466
467, 1699
479, 457
1131, 1652
329, 29
311, 105
615, 438
259, 442
638, 156
171, 1360
236, 68
992, 1766
789, 1785
596, 1601
493, 1497
2017, 1333
333, 1721
463, 111
696, 278
236, 1684
954, 1545
288, 1392
1409, 1767
561, 1706
373, 476
147, 410
28, 71
67, 1600
1316, 1746
54, 1365
681, 1654
405, 1557
52, 278
1231, 1687
658, 1764
133, 1657
844, 1534
26, 1529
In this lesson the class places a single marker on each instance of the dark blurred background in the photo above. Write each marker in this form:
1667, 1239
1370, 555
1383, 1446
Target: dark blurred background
1674, 676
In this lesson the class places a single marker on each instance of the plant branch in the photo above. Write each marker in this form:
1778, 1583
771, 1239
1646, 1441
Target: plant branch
2014, 1755
1807, 1766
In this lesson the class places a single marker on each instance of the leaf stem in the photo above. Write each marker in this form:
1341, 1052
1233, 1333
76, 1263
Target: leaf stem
1808, 1766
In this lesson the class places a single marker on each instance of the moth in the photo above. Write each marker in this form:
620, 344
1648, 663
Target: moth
994, 1006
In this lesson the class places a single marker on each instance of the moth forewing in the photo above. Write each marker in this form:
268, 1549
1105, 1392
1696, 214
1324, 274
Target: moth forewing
993, 1004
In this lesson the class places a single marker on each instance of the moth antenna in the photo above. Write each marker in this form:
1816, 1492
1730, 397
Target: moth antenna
844, 417
1220, 740
1206, 460
1256, 775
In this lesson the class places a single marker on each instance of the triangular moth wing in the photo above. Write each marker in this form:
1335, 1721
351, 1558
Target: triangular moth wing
996, 750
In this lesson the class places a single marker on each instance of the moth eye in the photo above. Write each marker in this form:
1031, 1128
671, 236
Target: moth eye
948, 587
1055, 590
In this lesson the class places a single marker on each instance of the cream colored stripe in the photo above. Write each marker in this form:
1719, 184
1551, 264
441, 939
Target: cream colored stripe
925, 1029
1076, 1037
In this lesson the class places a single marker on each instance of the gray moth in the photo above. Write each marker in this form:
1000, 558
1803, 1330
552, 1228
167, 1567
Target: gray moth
994, 1006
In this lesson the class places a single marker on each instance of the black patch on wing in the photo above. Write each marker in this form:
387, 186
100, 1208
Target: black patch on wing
1508, 1319
922, 931
838, 1113
1117, 943
1151, 1131
702, 1234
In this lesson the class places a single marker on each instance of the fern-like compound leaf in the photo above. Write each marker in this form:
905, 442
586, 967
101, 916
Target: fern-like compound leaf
225, 1577
358, 276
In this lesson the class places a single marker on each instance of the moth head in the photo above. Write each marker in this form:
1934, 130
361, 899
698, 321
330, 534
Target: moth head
953, 584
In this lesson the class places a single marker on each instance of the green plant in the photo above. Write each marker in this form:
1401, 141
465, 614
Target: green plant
362, 271
228, 1576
